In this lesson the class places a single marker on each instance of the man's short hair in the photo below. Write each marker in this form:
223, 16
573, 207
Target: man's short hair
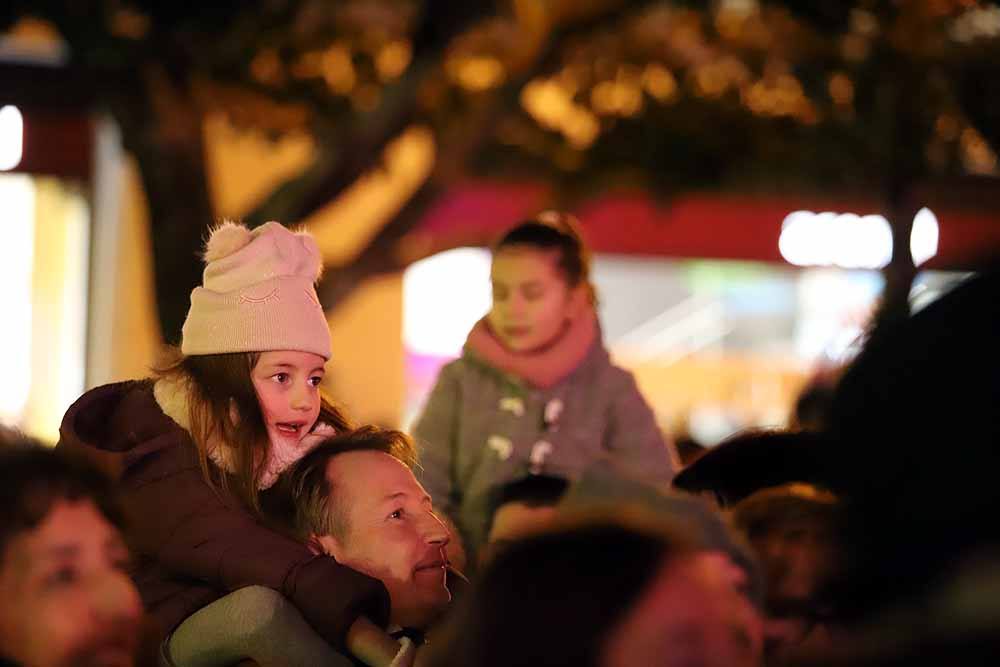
33, 478
317, 511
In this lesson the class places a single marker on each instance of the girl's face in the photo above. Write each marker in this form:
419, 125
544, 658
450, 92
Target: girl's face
287, 385
531, 300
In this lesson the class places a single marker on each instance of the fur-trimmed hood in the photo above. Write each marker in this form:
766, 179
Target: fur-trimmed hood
173, 397
119, 425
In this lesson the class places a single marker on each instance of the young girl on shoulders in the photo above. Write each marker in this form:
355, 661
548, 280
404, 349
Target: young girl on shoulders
534, 390
199, 446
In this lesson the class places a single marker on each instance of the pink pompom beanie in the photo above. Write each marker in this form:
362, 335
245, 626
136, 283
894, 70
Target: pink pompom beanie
257, 294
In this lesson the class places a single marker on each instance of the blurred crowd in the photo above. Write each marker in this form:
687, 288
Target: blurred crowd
223, 511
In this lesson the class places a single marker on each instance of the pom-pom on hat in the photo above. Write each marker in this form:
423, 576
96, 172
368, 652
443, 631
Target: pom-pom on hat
257, 294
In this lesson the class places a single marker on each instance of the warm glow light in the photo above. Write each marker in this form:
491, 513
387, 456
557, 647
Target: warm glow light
551, 104
477, 73
841, 89
830, 239
16, 258
11, 137
443, 296
393, 60
59, 287
924, 236
616, 98
581, 128
850, 241
660, 82
783, 96
547, 101
977, 156
338, 69
977, 23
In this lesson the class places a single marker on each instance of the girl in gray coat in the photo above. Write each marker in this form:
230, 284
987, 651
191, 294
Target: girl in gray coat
534, 390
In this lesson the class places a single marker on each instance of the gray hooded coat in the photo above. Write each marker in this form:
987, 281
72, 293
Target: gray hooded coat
482, 428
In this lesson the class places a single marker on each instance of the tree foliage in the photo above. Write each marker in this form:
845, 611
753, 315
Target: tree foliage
582, 94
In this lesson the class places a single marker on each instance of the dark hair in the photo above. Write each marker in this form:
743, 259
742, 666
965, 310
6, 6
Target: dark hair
533, 491
219, 383
762, 511
688, 449
813, 406
33, 478
540, 602
913, 449
312, 495
558, 232
753, 460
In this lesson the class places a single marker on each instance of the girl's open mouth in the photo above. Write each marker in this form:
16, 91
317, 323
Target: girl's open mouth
289, 428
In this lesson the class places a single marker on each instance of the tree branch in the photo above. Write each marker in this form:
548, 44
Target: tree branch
385, 252
361, 143
382, 254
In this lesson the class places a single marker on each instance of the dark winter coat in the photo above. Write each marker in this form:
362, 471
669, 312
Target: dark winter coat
195, 544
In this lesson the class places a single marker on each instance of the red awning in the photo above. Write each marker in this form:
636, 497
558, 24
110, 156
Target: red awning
697, 225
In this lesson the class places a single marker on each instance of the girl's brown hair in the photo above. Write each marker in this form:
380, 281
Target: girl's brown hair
223, 408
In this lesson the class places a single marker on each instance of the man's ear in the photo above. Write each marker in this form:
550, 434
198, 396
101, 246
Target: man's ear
325, 544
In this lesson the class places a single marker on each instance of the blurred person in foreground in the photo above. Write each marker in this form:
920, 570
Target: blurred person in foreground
791, 529
66, 599
520, 508
602, 591
812, 406
765, 480
356, 499
913, 453
532, 504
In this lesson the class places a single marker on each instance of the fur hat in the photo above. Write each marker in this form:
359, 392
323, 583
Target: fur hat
257, 294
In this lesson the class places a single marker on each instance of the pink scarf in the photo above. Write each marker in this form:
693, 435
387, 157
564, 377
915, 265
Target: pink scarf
547, 367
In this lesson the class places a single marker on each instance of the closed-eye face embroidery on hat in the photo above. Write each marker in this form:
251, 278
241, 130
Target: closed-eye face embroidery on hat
247, 298
257, 294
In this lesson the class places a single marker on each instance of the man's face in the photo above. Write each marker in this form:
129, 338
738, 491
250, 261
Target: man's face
797, 555
65, 598
692, 613
392, 533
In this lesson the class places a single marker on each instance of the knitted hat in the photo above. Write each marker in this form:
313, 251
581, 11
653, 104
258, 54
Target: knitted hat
257, 294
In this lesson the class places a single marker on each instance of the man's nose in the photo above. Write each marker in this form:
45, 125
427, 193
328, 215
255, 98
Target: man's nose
435, 532
115, 599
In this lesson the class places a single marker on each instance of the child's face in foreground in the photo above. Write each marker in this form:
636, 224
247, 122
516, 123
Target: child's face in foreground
531, 300
287, 385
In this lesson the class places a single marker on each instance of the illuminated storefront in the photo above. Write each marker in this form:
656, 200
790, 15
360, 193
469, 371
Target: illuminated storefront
45, 265
716, 344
